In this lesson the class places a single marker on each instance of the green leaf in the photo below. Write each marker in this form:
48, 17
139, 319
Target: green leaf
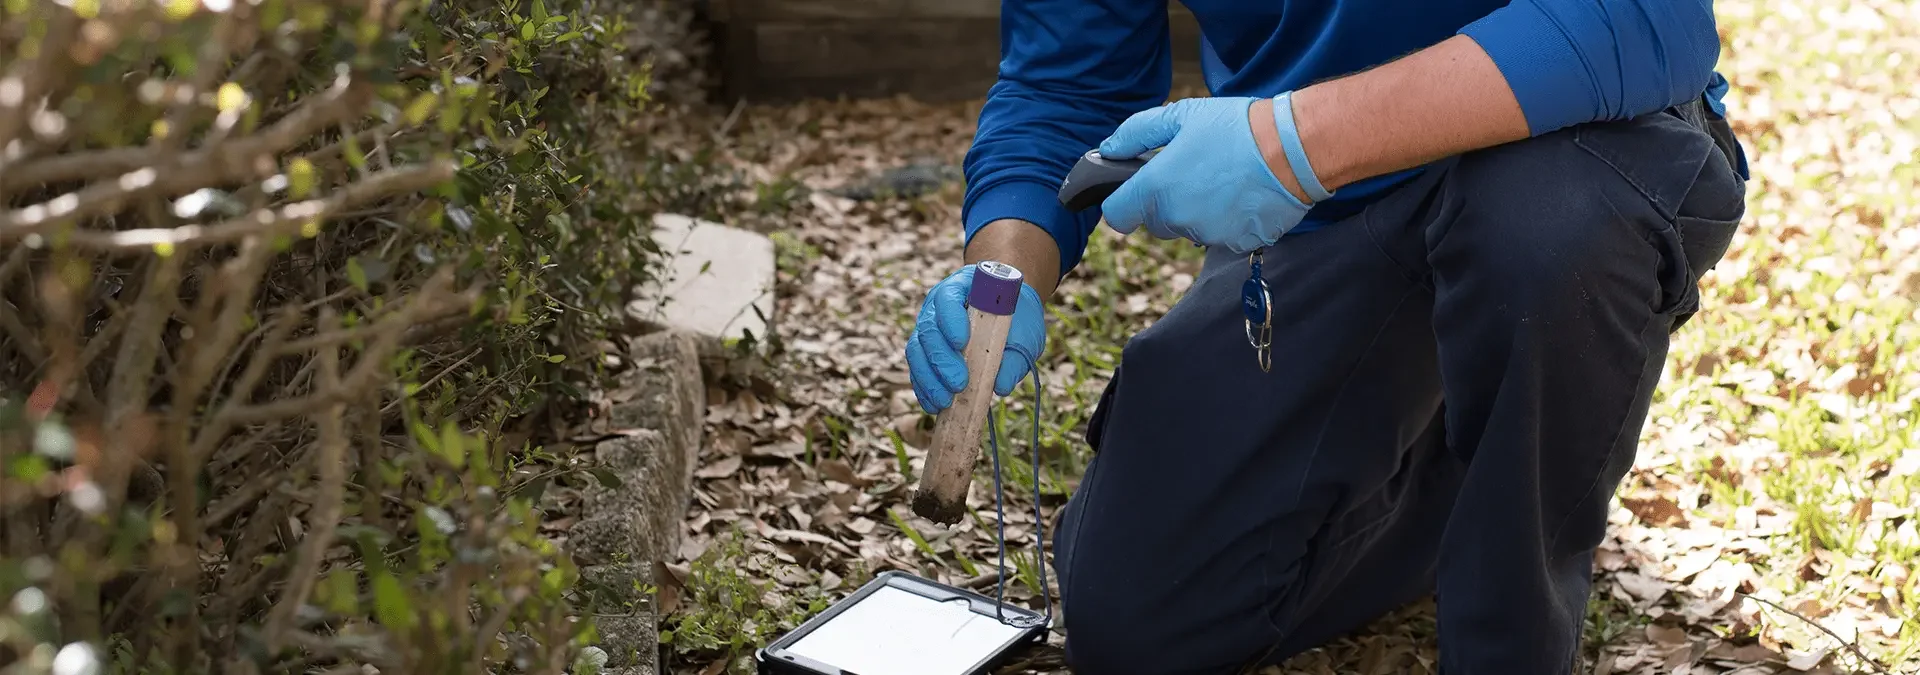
301, 177
28, 468
606, 478
341, 591
356, 275
352, 153
421, 107
424, 435
453, 445
390, 602
556, 358
534, 490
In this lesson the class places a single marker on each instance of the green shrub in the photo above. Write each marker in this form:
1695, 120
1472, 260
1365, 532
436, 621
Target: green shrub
285, 287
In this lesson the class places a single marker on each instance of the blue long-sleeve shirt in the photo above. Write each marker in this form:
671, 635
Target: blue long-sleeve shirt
1072, 70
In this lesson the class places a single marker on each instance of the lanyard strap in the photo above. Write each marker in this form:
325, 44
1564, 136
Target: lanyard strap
1000, 514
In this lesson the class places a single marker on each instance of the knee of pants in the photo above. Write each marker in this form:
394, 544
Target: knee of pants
1110, 631
1119, 622
1645, 204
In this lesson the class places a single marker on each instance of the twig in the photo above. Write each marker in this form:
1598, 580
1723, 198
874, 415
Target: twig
16, 331
228, 161
1851, 647
984, 580
247, 494
120, 161
436, 378
491, 629
726, 125
78, 165
286, 220
22, 85
369, 648
432, 301
216, 430
15, 259
10, 315
324, 515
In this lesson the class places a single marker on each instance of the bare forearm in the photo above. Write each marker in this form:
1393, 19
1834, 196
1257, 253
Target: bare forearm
1023, 245
1440, 101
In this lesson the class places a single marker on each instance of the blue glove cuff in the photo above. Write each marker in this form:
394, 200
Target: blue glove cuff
1296, 155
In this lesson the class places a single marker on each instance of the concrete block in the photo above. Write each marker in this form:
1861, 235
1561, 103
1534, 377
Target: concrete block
715, 278
629, 527
628, 622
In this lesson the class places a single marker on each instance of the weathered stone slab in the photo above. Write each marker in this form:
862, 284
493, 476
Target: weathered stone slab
715, 279
626, 528
627, 625
638, 521
664, 370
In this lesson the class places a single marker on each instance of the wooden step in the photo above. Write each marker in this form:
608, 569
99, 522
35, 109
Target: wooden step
932, 50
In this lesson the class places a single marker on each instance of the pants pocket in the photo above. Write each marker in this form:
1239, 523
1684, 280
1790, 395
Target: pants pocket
1679, 169
1097, 422
1703, 243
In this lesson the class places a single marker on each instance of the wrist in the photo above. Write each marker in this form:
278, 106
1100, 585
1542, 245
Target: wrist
1297, 132
1025, 246
1312, 115
1266, 137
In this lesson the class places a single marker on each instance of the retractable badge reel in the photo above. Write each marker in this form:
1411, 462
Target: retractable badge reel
1094, 178
902, 624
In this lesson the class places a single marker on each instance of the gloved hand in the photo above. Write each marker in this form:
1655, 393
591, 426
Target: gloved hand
1209, 183
934, 363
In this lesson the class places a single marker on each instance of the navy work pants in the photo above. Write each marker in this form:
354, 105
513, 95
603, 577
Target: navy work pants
1461, 373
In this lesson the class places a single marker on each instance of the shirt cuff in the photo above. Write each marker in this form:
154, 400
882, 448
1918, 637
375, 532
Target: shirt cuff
1539, 61
1034, 203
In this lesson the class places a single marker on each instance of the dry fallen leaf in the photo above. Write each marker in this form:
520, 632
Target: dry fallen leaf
1669, 636
1656, 511
1808, 660
671, 588
720, 469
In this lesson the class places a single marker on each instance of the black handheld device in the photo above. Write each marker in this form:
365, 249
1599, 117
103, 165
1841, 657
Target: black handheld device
1093, 178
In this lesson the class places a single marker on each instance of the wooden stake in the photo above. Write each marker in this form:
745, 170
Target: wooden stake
942, 494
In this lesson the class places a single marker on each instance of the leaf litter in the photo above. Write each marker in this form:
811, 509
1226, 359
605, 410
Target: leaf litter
1767, 527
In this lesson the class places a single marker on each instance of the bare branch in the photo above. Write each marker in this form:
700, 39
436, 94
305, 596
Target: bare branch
23, 85
75, 166
216, 430
118, 161
369, 648
14, 330
255, 487
243, 158
432, 301
1851, 646
212, 52
287, 220
491, 629
328, 505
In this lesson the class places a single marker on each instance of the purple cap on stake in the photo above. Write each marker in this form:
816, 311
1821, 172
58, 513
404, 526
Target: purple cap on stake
996, 288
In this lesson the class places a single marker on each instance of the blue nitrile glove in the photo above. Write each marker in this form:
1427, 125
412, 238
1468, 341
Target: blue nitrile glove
934, 363
1209, 182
